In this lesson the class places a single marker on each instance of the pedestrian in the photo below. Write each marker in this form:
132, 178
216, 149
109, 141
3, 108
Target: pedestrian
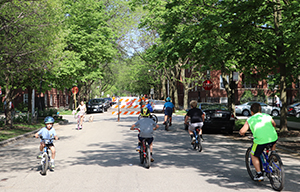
81, 113
277, 101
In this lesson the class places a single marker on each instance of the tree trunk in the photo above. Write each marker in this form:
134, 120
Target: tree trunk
283, 111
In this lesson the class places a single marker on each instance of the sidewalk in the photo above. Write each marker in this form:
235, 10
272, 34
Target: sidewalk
290, 124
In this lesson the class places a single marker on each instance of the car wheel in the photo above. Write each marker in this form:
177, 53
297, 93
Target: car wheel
275, 113
246, 113
298, 115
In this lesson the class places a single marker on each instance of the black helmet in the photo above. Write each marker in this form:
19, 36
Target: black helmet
145, 112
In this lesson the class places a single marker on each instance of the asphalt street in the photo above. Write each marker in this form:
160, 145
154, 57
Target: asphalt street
102, 157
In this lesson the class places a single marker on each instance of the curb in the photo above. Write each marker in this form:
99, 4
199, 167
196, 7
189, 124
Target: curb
15, 139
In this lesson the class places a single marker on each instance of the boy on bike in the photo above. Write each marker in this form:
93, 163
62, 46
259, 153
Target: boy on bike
262, 127
169, 109
47, 132
147, 126
197, 119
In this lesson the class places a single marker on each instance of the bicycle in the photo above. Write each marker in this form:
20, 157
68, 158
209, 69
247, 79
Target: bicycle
77, 117
271, 166
144, 152
46, 159
197, 144
151, 116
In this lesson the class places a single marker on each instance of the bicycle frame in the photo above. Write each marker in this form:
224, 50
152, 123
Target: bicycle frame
196, 134
264, 159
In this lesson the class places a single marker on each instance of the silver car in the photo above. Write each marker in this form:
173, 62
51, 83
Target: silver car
244, 109
158, 105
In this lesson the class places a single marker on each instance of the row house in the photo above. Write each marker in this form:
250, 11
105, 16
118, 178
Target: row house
218, 93
49, 99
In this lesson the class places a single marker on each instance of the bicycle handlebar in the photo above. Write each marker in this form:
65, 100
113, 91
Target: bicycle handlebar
135, 129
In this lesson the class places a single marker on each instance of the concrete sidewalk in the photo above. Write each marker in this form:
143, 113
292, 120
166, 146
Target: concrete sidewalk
290, 124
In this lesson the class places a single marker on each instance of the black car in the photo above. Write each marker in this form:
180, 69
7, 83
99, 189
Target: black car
217, 118
109, 100
95, 105
294, 109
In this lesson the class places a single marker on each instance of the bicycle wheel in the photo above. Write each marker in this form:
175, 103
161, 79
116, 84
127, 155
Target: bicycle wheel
141, 155
199, 145
45, 164
154, 118
148, 157
276, 172
249, 165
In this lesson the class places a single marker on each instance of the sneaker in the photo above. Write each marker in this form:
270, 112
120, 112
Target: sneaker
40, 155
193, 140
258, 177
152, 159
138, 148
52, 165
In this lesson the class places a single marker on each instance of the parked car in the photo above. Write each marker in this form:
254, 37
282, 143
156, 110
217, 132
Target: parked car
244, 109
106, 104
158, 105
294, 109
95, 105
217, 118
109, 101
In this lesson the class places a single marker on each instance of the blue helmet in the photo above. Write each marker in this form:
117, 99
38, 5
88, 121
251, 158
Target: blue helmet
168, 99
49, 119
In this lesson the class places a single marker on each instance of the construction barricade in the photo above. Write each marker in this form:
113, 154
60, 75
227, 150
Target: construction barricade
127, 106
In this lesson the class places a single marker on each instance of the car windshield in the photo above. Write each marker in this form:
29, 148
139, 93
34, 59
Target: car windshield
159, 102
96, 101
214, 107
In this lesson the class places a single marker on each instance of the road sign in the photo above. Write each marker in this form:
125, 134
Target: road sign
75, 90
207, 85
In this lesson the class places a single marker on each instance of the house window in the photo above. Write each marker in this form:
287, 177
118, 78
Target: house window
222, 86
247, 84
46, 99
25, 98
208, 74
51, 100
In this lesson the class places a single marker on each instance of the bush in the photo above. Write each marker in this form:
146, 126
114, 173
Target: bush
21, 118
47, 112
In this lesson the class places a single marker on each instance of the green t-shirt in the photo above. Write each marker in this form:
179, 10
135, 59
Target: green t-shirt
262, 128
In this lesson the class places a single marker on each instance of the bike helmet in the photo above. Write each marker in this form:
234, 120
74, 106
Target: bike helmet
145, 112
168, 99
49, 119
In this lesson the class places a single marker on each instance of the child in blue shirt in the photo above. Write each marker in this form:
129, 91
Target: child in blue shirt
47, 133
169, 109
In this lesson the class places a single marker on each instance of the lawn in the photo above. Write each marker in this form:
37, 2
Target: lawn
18, 129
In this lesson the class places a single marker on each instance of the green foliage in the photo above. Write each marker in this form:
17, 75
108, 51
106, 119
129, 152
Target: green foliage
47, 112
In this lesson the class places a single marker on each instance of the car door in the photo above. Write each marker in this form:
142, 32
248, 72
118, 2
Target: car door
265, 108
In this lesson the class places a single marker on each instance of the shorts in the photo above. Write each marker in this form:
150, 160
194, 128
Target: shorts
169, 111
148, 140
192, 126
48, 145
257, 149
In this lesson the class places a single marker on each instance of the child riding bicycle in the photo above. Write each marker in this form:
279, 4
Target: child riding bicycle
147, 126
197, 119
169, 109
47, 133
262, 127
